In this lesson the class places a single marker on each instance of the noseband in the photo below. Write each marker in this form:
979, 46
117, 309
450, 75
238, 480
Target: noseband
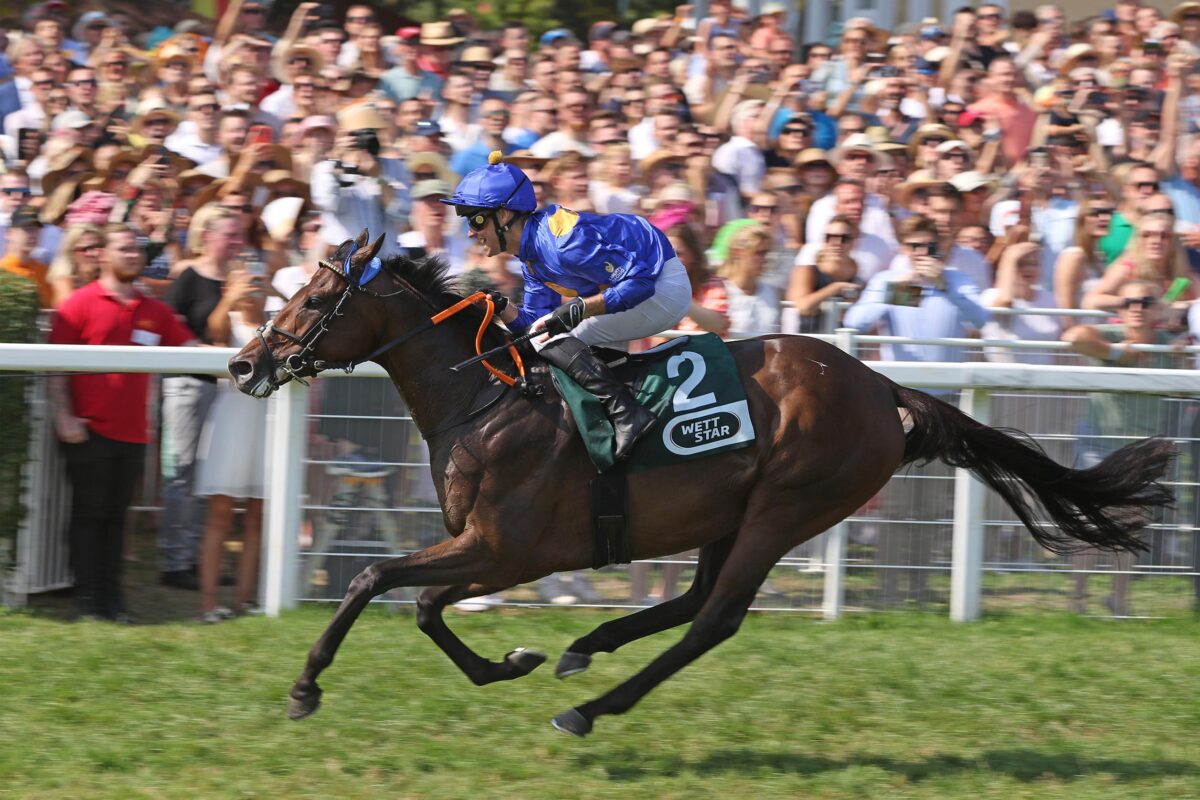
303, 360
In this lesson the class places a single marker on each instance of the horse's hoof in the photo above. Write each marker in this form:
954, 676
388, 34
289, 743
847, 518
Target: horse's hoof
301, 707
572, 722
572, 664
525, 661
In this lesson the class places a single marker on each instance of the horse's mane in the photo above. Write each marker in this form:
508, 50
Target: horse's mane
430, 276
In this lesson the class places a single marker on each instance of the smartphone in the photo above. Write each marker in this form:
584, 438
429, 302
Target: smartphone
1152, 46
260, 134
29, 144
902, 293
888, 72
876, 58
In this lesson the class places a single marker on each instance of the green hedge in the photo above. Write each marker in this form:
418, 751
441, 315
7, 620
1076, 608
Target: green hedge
18, 324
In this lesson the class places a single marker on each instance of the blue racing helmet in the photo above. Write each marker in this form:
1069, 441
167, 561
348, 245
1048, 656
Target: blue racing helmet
498, 185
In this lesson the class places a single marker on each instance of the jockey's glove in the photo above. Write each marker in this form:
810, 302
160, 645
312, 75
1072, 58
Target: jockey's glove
566, 317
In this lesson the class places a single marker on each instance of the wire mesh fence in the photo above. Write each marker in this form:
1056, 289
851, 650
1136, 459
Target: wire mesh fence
370, 495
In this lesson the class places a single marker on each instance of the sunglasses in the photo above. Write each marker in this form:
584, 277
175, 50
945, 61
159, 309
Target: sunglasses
87, 248
1144, 302
754, 208
837, 238
476, 217
797, 131
1151, 185
84, 82
1101, 211
16, 191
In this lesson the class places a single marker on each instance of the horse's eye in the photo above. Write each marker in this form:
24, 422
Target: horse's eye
314, 302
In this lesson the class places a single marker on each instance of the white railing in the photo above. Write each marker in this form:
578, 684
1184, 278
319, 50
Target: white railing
287, 444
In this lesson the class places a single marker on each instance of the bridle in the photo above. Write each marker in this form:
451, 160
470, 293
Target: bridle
303, 361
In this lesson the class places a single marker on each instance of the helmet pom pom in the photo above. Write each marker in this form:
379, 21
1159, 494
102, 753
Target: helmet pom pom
495, 157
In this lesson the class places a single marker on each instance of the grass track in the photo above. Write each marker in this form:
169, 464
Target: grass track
895, 706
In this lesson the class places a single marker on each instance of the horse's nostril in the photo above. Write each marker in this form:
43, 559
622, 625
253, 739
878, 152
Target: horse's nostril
241, 368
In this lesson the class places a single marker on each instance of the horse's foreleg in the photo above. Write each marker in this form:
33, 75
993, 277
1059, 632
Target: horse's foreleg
479, 670
620, 632
453, 562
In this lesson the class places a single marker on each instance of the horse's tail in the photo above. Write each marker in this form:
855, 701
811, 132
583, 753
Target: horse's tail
1104, 506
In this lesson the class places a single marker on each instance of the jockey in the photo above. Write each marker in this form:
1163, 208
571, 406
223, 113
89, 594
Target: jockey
619, 273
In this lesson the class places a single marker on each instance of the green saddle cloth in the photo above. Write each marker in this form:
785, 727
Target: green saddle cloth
694, 390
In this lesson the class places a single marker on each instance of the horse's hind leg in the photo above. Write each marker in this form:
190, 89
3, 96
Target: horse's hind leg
479, 670
453, 562
758, 546
620, 632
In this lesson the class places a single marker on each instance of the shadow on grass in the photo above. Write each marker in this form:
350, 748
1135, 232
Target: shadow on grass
1023, 765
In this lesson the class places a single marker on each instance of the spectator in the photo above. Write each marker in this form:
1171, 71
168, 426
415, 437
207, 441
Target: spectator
358, 187
871, 253
856, 160
828, 272
216, 238
571, 133
102, 419
753, 302
611, 191
1006, 110
920, 298
1154, 255
230, 459
1114, 418
78, 261
709, 307
1083, 263
1017, 287
19, 241
430, 234
740, 158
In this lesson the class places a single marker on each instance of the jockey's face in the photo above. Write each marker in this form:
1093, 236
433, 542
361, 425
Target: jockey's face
489, 238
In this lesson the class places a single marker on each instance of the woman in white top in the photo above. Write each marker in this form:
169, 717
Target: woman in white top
753, 303
231, 462
1017, 287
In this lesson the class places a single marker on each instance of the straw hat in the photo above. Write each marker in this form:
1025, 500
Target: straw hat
150, 108
172, 52
970, 181
858, 142
813, 155
477, 54
926, 131
59, 200
658, 158
439, 34
1074, 53
437, 162
360, 116
1183, 9
281, 216
525, 159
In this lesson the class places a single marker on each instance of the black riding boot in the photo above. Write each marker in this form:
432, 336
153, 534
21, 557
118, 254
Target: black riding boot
630, 419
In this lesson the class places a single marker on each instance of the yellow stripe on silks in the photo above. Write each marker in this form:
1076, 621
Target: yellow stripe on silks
562, 222
565, 292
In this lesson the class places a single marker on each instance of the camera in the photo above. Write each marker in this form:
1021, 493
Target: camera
366, 139
888, 72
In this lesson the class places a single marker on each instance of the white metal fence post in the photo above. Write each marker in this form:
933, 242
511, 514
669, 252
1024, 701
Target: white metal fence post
966, 570
834, 594
287, 440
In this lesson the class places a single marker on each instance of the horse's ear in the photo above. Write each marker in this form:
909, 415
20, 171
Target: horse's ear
362, 239
376, 246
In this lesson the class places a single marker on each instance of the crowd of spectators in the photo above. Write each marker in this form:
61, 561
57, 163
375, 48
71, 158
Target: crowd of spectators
907, 181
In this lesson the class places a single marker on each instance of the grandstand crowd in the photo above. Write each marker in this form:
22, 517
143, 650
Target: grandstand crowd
908, 181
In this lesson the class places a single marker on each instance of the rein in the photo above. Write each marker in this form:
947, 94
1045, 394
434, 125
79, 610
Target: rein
296, 363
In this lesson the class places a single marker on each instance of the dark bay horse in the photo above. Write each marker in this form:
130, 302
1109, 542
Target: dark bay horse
512, 475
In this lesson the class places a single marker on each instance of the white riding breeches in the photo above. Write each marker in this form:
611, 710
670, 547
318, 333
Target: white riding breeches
657, 313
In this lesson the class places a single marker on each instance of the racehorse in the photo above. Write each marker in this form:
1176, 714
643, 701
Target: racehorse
512, 475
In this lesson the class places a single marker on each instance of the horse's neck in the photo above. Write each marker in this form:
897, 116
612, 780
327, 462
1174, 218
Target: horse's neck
420, 370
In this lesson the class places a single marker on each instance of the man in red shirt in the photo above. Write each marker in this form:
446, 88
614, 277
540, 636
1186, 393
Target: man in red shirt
1006, 111
101, 419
